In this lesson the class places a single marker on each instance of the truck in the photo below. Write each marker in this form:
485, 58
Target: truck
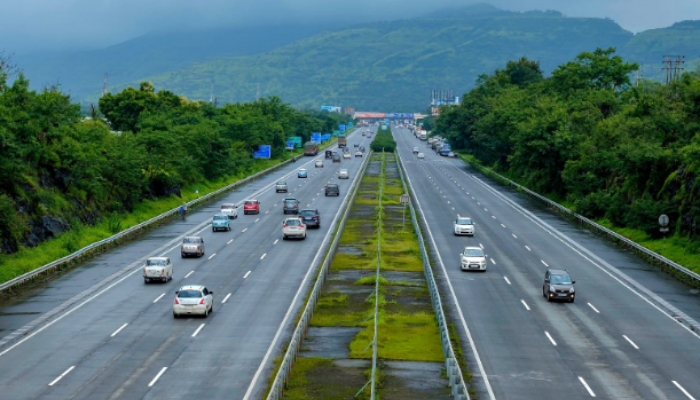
342, 141
310, 148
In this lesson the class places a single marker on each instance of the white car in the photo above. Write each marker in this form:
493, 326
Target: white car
293, 227
421, 155
193, 300
346, 155
415, 150
473, 259
343, 174
358, 154
230, 209
464, 226
319, 164
157, 268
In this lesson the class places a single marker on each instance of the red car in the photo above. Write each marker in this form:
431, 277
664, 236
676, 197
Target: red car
251, 207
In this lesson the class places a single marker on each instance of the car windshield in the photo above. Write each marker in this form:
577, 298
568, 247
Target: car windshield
160, 263
293, 222
189, 293
220, 217
251, 202
464, 221
190, 240
473, 252
560, 280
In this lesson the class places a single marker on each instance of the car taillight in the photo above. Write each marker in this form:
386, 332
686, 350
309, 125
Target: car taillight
315, 217
162, 271
301, 226
176, 302
296, 206
144, 271
286, 226
201, 302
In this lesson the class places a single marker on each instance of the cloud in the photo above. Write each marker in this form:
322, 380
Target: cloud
70, 24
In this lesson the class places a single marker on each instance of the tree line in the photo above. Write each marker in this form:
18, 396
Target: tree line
140, 144
588, 135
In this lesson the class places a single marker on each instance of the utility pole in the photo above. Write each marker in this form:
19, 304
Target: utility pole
104, 86
257, 94
673, 68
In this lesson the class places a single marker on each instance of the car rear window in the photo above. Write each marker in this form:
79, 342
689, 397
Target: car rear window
282, 183
473, 252
160, 263
305, 213
251, 202
220, 217
228, 206
189, 293
293, 222
332, 186
190, 240
290, 201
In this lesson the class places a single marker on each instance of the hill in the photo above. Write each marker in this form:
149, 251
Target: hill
395, 64
81, 73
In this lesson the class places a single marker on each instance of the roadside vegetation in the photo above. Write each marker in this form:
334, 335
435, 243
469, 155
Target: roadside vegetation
67, 181
407, 329
591, 140
383, 140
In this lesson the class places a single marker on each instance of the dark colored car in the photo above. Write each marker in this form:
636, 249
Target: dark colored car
290, 206
558, 286
310, 217
251, 207
336, 157
332, 189
329, 154
357, 145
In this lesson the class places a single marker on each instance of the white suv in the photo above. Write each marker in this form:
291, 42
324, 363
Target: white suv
473, 259
230, 209
294, 227
464, 226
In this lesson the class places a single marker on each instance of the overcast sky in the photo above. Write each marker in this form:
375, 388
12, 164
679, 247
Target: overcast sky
29, 25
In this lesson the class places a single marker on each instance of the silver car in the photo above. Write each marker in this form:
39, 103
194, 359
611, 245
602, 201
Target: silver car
281, 187
343, 174
158, 268
192, 246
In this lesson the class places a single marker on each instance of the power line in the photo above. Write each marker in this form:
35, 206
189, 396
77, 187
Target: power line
673, 67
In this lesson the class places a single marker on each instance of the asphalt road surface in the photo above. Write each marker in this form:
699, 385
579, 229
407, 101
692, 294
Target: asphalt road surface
99, 332
619, 340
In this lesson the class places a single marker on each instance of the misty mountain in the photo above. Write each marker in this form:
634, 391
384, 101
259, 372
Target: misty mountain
81, 73
394, 65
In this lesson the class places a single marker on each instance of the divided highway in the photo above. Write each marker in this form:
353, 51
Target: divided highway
619, 340
99, 332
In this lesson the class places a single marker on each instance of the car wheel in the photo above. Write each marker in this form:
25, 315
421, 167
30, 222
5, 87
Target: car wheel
572, 300
284, 237
211, 310
146, 280
304, 238
213, 230
182, 255
229, 228
175, 315
544, 294
206, 312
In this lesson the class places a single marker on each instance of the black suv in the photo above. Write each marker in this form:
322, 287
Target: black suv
558, 285
310, 217
290, 205
332, 188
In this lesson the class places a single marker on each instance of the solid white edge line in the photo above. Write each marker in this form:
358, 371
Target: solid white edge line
212, 256
685, 392
263, 256
53, 382
458, 307
631, 342
119, 330
579, 249
594, 309
550, 338
265, 359
158, 298
197, 331
225, 298
588, 388
506, 279
525, 304
153, 382
188, 274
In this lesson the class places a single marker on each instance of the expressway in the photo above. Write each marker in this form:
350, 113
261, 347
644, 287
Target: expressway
619, 340
99, 332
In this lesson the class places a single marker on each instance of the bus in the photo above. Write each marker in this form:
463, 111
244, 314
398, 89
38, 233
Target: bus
445, 150
310, 148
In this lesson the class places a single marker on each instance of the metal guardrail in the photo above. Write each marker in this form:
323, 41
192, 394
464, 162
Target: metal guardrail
454, 372
284, 372
114, 239
682, 272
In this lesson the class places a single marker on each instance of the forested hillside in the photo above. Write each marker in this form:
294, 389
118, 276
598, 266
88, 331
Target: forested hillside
59, 171
587, 137
394, 65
